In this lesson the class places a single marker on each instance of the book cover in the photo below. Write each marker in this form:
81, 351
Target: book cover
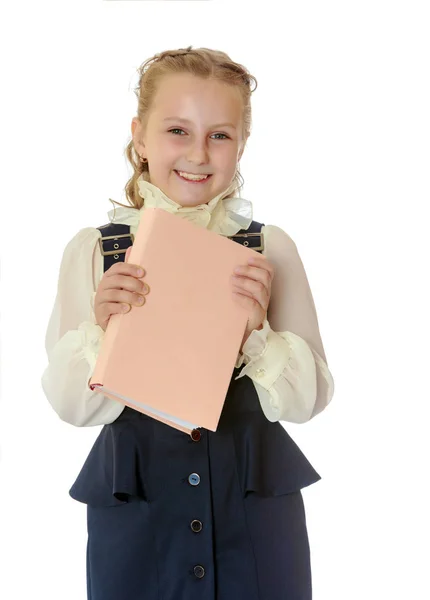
173, 357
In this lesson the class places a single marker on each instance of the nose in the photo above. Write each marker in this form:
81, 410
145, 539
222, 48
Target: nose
198, 152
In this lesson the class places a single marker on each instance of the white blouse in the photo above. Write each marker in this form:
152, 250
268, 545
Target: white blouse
285, 360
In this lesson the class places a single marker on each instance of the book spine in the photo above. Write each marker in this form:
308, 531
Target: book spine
115, 328
102, 364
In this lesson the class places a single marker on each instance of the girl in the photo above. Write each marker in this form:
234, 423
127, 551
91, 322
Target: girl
215, 515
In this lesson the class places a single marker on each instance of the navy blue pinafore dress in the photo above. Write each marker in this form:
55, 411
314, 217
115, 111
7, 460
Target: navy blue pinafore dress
207, 516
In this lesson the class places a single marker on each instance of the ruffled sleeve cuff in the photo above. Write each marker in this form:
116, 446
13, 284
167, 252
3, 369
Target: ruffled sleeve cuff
254, 345
92, 300
92, 336
328, 378
265, 354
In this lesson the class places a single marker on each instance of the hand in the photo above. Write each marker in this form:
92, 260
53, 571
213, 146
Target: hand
252, 284
119, 289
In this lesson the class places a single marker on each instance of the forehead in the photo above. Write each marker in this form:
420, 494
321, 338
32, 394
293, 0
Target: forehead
187, 96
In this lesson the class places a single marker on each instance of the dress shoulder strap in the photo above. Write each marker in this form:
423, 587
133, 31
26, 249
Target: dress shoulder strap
116, 238
114, 241
251, 237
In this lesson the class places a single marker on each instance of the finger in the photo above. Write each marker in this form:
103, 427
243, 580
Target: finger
113, 295
241, 290
256, 273
256, 286
251, 301
253, 289
260, 261
127, 254
244, 300
124, 268
113, 308
125, 282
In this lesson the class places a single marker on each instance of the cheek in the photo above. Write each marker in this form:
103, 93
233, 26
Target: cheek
224, 161
171, 153
164, 146
229, 169
165, 158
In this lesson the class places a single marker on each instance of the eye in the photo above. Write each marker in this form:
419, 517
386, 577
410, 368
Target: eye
178, 129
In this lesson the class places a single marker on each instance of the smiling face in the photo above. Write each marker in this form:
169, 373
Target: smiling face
194, 126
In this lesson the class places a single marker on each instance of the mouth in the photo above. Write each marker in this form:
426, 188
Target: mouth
192, 178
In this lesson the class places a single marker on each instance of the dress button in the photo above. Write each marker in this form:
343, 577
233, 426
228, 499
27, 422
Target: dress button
194, 479
196, 525
260, 372
199, 571
196, 435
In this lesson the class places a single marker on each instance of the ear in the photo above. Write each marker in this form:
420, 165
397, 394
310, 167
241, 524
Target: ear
136, 133
136, 127
242, 148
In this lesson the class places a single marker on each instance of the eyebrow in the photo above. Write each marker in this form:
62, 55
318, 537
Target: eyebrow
187, 121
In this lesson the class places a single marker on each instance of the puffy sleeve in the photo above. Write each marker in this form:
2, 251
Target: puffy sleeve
286, 359
73, 338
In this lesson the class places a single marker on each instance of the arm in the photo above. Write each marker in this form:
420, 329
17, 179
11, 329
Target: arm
73, 338
288, 366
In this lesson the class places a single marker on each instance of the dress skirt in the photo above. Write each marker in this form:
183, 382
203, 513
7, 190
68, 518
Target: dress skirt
213, 516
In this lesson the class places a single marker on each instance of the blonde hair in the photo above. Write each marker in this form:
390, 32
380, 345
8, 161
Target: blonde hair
201, 62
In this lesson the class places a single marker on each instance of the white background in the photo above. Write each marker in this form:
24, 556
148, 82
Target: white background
338, 157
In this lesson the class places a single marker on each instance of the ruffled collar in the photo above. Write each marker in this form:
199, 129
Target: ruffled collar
222, 215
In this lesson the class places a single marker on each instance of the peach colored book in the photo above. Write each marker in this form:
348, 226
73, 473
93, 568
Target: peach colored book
172, 358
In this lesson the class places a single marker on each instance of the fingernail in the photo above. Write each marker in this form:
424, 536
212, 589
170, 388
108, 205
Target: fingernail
140, 272
126, 307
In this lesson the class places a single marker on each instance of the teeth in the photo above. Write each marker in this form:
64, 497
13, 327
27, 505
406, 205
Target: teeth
192, 177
